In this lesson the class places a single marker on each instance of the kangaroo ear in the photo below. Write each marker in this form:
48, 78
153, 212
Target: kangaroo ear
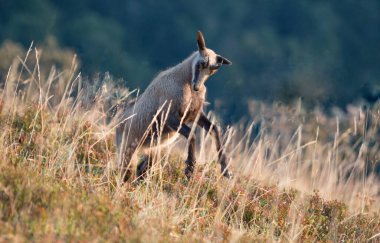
223, 60
201, 42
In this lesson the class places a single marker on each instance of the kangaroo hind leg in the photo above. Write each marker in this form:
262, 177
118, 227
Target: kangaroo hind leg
144, 166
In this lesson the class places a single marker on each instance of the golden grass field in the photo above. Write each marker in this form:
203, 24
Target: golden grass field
299, 175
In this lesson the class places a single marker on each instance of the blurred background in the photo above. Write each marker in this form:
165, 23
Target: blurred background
325, 52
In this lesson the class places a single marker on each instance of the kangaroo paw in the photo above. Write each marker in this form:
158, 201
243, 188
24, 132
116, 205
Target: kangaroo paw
126, 175
189, 171
227, 174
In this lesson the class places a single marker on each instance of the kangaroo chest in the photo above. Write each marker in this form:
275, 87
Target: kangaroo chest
192, 103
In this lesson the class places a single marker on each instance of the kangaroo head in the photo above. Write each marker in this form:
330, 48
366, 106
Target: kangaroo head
205, 64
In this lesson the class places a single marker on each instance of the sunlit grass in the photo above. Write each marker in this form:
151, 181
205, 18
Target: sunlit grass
298, 175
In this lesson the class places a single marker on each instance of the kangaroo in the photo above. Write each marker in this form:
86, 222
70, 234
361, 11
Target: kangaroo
172, 100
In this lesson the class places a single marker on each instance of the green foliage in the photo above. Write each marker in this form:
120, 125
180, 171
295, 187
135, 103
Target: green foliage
329, 220
323, 217
323, 51
35, 205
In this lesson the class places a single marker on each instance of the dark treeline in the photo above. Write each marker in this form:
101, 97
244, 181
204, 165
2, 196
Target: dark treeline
326, 52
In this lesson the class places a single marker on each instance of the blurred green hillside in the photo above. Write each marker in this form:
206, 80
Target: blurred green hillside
326, 52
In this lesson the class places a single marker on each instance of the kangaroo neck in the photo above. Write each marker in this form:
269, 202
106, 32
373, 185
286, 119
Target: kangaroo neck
185, 68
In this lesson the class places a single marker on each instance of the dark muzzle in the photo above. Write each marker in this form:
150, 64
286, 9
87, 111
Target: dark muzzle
195, 87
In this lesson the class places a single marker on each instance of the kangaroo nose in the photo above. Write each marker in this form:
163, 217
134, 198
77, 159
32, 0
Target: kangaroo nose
195, 87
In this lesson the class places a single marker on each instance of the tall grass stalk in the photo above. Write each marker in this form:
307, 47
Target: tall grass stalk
298, 175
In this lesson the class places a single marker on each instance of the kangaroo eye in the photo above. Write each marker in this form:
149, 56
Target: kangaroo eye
204, 63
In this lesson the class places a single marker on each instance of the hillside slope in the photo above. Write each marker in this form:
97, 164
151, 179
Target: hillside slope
299, 176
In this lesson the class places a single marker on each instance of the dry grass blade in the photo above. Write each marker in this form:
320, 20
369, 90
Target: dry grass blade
303, 176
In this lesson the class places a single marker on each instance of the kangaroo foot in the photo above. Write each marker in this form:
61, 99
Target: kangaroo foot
189, 170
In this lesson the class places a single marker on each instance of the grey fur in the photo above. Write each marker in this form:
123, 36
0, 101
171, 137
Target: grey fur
173, 99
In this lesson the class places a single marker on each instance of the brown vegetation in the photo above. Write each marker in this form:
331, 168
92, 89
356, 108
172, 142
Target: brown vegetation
299, 175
